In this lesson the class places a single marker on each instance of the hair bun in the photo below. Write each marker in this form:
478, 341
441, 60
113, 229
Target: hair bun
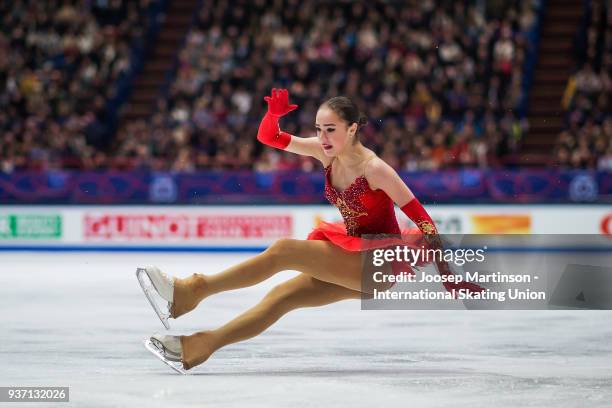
363, 120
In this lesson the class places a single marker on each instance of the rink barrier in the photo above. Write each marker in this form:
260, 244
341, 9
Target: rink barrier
296, 187
254, 228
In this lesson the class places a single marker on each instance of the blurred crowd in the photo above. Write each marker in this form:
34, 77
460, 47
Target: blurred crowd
587, 140
441, 82
60, 61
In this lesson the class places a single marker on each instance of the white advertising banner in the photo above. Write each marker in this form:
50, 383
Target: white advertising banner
503, 219
248, 227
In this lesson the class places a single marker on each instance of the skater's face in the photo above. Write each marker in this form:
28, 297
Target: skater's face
333, 132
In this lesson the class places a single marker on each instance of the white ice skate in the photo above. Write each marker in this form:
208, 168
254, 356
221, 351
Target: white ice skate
159, 290
168, 349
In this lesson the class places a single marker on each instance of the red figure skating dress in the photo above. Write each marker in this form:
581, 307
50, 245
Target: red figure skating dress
371, 213
365, 212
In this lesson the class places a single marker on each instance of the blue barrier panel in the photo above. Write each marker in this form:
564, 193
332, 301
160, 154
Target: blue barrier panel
240, 187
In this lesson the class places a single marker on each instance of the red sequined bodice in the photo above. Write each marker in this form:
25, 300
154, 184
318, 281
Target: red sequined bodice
364, 211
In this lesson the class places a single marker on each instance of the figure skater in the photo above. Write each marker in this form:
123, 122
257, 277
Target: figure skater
361, 185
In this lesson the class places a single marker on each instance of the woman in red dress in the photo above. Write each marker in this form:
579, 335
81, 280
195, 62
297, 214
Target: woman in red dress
361, 185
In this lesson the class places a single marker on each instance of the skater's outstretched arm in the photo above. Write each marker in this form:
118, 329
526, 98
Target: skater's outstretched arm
269, 132
380, 175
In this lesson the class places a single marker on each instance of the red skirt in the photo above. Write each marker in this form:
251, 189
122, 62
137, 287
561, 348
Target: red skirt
411, 237
336, 234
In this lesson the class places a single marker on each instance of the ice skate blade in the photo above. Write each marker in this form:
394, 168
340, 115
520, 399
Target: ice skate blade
175, 365
149, 290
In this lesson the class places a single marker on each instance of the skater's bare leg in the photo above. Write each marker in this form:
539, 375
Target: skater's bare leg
319, 259
301, 291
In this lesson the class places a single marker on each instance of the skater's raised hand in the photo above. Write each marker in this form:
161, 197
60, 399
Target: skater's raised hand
270, 133
278, 103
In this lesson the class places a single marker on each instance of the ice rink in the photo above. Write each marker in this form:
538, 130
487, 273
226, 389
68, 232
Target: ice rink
78, 320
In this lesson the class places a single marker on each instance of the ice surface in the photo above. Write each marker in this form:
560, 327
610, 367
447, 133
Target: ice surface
78, 320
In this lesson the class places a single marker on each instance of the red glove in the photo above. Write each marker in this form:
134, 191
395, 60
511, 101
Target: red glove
415, 211
278, 103
269, 132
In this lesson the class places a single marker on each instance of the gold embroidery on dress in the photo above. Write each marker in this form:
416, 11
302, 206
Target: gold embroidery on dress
349, 215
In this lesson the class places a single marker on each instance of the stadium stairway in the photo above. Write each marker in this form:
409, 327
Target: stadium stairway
560, 24
160, 59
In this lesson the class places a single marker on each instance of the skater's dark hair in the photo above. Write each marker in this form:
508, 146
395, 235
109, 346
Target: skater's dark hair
348, 111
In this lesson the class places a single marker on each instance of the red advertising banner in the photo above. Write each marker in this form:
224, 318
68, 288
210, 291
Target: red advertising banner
185, 226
